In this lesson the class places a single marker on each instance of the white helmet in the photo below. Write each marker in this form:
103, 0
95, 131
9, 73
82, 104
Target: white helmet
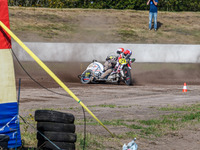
120, 50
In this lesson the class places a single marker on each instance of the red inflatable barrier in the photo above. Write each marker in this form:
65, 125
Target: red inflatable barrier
5, 39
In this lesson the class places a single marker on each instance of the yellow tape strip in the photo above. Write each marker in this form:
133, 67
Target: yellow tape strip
50, 73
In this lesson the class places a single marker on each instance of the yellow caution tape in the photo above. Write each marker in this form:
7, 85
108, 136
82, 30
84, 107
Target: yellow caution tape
50, 73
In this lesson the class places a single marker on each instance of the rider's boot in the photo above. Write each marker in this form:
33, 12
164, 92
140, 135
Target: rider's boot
114, 71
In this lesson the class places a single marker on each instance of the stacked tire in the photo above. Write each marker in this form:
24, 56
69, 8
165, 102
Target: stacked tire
58, 127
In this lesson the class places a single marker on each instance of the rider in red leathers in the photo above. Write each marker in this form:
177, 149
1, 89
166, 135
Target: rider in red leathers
127, 53
123, 54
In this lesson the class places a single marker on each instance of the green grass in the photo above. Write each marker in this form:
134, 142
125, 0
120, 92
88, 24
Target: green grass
157, 127
134, 126
124, 106
178, 118
104, 105
114, 122
172, 122
28, 134
126, 35
91, 141
48, 30
191, 116
29, 139
194, 107
110, 106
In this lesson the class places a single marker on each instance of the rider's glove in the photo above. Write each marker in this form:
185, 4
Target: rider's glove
133, 59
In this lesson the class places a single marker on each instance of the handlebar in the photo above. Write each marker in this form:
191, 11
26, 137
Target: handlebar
133, 60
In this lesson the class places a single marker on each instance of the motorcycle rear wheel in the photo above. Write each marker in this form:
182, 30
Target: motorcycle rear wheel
127, 76
86, 77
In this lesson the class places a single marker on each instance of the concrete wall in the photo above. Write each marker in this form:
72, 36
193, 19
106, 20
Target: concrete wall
86, 52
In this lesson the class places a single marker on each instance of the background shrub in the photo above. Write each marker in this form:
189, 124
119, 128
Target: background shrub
164, 5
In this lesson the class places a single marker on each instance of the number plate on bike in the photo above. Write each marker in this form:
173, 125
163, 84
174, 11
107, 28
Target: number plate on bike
122, 61
87, 74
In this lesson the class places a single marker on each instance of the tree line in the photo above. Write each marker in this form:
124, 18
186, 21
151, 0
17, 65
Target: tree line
164, 5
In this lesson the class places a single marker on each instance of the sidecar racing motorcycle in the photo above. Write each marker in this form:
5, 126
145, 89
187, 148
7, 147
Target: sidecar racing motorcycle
96, 69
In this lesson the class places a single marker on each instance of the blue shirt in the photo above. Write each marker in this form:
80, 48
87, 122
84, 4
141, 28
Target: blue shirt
153, 7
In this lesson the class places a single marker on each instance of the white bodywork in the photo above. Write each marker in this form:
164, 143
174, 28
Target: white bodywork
96, 67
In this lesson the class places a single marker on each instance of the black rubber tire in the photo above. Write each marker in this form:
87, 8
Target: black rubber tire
127, 74
86, 77
46, 145
58, 127
54, 116
58, 136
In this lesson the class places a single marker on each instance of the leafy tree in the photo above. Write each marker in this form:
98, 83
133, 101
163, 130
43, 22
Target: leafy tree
165, 5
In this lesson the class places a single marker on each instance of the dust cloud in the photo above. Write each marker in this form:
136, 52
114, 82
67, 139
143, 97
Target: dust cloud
142, 73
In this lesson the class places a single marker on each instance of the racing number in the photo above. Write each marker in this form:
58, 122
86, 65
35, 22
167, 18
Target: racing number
122, 61
87, 74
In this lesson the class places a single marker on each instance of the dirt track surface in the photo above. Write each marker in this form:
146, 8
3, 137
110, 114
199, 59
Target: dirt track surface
132, 102
155, 86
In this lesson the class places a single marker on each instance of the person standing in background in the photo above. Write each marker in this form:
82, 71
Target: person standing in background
153, 13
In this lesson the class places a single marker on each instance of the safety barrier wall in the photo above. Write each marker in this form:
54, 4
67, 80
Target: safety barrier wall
85, 52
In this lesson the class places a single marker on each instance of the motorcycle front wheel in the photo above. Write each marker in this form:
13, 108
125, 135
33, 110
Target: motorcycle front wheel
127, 76
86, 77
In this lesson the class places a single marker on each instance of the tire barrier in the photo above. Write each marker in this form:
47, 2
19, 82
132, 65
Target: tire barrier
4, 141
58, 127
53, 116
63, 145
